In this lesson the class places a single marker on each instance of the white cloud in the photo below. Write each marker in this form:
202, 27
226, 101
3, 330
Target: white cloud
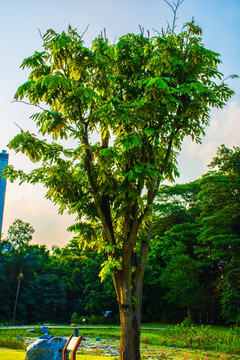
224, 129
226, 124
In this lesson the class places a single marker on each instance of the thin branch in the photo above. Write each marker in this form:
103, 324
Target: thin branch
168, 27
19, 127
169, 5
41, 34
141, 29
174, 10
24, 102
158, 32
153, 193
229, 77
105, 34
85, 31
143, 254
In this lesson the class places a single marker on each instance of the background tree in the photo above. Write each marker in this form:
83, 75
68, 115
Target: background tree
22, 261
144, 93
19, 234
174, 267
196, 232
219, 236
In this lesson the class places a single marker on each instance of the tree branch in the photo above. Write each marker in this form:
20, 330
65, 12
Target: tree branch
143, 255
174, 9
24, 102
84, 32
88, 164
41, 34
152, 193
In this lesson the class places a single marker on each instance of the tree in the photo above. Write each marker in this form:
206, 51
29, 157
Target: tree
219, 236
18, 236
127, 106
181, 275
174, 270
49, 291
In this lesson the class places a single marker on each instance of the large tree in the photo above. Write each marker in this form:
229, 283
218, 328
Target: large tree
127, 106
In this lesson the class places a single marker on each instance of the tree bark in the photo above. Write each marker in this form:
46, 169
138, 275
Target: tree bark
130, 320
128, 287
128, 284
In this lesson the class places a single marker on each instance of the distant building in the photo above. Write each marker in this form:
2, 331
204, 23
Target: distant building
3, 163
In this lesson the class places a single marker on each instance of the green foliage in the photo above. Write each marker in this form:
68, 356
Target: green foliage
75, 318
147, 94
219, 227
11, 343
187, 321
19, 233
194, 256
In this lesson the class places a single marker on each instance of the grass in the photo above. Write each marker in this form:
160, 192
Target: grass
166, 353
20, 355
218, 340
12, 354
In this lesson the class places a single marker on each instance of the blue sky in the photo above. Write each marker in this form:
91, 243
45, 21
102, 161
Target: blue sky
20, 21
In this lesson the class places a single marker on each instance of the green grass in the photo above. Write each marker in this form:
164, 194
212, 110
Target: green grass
12, 355
20, 355
162, 353
224, 340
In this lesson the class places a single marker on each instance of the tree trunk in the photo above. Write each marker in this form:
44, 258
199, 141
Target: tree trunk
130, 305
16, 300
130, 320
128, 283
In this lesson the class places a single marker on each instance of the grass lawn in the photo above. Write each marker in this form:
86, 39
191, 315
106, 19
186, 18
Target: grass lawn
20, 355
171, 342
12, 354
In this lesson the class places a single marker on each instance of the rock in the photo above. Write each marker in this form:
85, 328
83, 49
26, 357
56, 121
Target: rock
44, 330
44, 349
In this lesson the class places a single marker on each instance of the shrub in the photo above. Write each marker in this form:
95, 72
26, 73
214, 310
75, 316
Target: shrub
75, 318
187, 321
12, 344
95, 319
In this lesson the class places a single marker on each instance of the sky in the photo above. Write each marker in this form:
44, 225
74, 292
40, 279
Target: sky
20, 24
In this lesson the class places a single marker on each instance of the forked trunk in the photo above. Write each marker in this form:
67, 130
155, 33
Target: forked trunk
128, 283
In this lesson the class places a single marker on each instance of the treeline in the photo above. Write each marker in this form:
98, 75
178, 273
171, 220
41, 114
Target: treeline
193, 266
53, 284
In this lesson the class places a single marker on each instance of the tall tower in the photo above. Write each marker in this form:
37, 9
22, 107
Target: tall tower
3, 163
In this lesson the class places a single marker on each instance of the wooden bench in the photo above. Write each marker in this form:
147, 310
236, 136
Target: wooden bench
71, 345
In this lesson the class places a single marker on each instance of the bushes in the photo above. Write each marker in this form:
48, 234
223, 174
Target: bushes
91, 320
11, 343
187, 321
